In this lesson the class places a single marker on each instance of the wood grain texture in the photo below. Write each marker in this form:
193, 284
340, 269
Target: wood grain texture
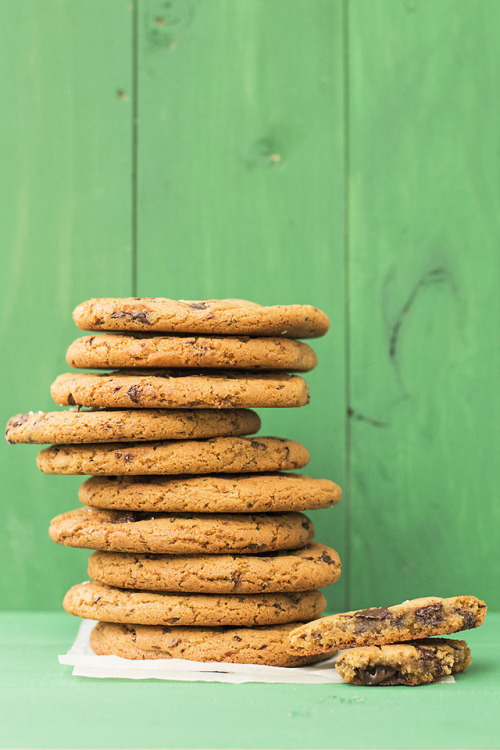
65, 217
423, 249
240, 182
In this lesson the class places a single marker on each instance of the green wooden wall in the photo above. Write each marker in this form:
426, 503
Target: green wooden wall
343, 154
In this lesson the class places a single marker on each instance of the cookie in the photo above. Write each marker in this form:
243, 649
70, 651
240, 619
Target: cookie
413, 663
144, 350
181, 534
178, 389
96, 601
226, 455
417, 618
227, 316
230, 493
264, 645
307, 569
132, 424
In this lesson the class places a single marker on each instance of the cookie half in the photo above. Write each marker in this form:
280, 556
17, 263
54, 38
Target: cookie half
177, 389
131, 424
307, 569
413, 663
233, 493
264, 645
181, 534
417, 618
108, 351
227, 316
226, 455
95, 601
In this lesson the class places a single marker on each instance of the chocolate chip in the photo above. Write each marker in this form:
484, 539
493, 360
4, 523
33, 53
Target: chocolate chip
257, 445
325, 557
141, 315
134, 394
236, 638
71, 400
431, 614
376, 674
374, 613
118, 314
125, 518
468, 619
306, 524
174, 619
294, 598
236, 580
96, 599
198, 306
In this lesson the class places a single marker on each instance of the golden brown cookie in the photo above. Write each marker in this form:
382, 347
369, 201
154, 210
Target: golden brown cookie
180, 389
264, 645
108, 351
416, 618
412, 663
224, 455
307, 569
131, 424
95, 601
227, 316
216, 493
181, 534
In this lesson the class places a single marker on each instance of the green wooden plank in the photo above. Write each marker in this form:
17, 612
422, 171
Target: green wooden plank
42, 705
65, 216
423, 247
240, 180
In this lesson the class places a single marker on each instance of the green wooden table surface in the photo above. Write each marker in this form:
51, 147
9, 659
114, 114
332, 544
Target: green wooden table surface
42, 705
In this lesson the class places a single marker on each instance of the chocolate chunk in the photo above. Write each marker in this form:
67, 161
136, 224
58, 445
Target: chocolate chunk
374, 613
125, 518
22, 419
257, 445
141, 315
134, 394
236, 638
71, 400
198, 306
118, 314
294, 598
376, 674
432, 614
306, 524
468, 619
174, 619
325, 557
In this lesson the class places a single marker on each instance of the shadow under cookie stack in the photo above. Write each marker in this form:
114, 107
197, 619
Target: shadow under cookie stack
202, 551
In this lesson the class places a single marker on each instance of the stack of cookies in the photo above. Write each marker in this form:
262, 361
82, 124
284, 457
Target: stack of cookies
202, 549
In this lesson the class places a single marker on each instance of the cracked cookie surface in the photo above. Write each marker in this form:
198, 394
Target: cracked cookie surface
307, 569
262, 645
180, 389
181, 533
226, 316
228, 493
96, 601
413, 663
129, 425
413, 619
225, 455
107, 351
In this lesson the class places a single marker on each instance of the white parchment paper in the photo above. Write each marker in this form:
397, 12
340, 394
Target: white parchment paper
87, 664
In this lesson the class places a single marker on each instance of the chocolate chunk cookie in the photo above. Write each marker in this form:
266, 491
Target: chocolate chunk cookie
224, 455
307, 569
227, 316
263, 645
230, 493
179, 389
412, 663
96, 601
418, 618
132, 424
181, 534
108, 351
